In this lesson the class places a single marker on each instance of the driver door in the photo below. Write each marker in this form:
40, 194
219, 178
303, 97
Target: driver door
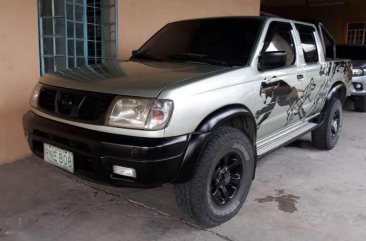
278, 87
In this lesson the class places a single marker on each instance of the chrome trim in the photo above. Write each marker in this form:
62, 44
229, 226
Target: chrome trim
279, 139
284, 130
106, 129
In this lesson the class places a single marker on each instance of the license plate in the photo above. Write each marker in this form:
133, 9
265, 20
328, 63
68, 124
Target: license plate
58, 157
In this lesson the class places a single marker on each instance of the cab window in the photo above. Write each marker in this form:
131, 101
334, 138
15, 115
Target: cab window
308, 43
329, 44
279, 38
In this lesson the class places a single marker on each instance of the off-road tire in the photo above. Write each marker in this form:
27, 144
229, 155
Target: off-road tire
324, 137
194, 197
360, 104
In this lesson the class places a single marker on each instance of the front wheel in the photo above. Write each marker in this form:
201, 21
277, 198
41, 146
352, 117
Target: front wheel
221, 181
326, 136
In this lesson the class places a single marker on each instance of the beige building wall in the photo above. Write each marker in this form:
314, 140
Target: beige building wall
19, 71
19, 50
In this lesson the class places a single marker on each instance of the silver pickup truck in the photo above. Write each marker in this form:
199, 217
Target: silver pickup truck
196, 106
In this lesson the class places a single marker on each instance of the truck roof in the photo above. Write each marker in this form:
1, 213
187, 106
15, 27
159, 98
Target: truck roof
263, 18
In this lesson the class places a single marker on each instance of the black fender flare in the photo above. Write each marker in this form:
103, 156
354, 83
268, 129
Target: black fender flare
199, 138
339, 88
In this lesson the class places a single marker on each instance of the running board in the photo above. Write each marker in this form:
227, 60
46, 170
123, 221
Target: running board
284, 137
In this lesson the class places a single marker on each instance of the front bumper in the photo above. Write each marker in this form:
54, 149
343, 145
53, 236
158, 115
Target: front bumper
156, 161
358, 80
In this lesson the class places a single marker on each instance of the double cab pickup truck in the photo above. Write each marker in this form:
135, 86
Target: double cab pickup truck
196, 106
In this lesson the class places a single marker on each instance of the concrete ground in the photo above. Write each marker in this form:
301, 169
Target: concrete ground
300, 193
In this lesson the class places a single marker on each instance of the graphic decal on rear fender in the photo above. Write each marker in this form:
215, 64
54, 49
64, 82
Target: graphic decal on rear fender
281, 93
329, 71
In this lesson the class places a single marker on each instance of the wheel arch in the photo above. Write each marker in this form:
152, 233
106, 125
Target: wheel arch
235, 115
338, 90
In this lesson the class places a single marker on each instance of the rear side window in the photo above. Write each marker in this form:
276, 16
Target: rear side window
329, 44
308, 43
279, 38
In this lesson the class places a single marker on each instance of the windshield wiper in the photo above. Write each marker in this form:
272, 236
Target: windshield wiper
144, 55
199, 58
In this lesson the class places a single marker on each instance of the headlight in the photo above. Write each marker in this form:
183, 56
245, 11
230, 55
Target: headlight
136, 113
35, 94
358, 72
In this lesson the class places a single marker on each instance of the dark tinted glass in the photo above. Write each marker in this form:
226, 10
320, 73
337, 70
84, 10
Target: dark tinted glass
59, 7
279, 38
308, 43
46, 8
329, 45
228, 40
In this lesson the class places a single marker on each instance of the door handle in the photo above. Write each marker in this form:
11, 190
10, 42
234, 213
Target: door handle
269, 81
300, 77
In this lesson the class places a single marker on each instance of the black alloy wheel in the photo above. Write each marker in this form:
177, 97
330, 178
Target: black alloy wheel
226, 178
336, 125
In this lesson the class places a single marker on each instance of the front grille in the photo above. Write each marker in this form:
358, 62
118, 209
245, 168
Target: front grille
75, 105
93, 107
47, 99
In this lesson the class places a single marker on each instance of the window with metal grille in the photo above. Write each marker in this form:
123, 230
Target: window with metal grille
76, 32
356, 33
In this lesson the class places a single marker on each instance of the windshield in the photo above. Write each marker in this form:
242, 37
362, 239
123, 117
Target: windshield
228, 41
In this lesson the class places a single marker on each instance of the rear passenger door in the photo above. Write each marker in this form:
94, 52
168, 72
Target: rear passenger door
314, 79
278, 87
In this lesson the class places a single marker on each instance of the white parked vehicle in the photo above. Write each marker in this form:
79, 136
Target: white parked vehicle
356, 53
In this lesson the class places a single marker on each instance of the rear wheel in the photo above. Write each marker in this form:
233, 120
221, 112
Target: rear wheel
360, 104
326, 136
221, 181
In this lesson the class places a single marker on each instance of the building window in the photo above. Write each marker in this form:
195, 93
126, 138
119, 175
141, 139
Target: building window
356, 33
76, 32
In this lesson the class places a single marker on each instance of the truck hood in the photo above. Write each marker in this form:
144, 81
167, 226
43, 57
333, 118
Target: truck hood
144, 79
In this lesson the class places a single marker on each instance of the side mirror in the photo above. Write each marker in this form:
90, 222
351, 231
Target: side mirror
272, 60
